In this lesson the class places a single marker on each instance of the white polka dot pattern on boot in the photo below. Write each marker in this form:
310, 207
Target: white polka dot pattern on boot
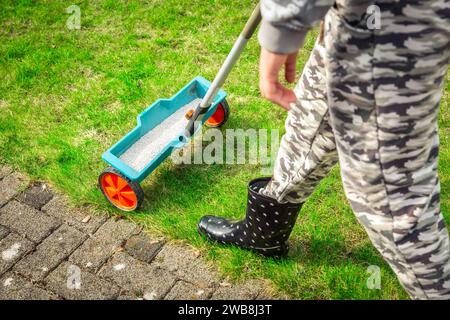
266, 227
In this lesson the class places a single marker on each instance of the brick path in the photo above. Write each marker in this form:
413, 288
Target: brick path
52, 251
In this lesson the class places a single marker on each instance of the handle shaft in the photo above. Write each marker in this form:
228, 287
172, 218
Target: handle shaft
252, 23
224, 71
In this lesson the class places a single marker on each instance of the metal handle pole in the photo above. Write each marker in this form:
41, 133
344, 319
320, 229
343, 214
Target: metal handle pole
224, 71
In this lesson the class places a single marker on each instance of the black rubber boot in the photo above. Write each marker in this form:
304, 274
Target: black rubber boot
265, 229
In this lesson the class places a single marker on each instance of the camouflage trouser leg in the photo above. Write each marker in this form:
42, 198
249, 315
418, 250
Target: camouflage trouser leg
384, 92
307, 150
384, 88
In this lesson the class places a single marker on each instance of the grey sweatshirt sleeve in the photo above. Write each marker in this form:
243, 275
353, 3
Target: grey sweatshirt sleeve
286, 22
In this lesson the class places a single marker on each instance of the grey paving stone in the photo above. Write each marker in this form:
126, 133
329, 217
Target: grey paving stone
97, 249
60, 208
10, 186
15, 287
186, 264
4, 171
183, 290
36, 196
12, 248
143, 247
27, 221
50, 253
71, 282
3, 232
138, 278
249, 290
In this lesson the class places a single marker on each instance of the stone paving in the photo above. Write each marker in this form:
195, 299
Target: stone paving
50, 250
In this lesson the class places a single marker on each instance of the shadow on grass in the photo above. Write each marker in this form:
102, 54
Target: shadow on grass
181, 183
174, 185
332, 252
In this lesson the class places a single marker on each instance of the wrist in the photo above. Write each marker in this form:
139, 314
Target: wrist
280, 40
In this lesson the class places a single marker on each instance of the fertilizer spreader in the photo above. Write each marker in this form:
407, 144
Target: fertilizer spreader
165, 125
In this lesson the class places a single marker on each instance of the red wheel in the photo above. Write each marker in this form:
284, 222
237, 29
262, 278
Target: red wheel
220, 116
120, 191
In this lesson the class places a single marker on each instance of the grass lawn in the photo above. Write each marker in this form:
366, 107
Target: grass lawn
68, 95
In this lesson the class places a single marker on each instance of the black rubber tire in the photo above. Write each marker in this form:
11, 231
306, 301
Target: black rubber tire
226, 109
134, 186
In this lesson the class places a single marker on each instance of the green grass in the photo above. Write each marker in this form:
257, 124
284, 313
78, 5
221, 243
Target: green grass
66, 96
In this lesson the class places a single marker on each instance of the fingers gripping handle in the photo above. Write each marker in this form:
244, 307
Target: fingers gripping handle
222, 75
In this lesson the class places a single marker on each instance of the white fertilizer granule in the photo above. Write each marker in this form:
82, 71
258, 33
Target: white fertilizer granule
138, 155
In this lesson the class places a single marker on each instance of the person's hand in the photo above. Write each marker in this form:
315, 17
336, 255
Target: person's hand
270, 65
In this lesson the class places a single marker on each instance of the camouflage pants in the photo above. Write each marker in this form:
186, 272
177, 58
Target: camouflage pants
370, 101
